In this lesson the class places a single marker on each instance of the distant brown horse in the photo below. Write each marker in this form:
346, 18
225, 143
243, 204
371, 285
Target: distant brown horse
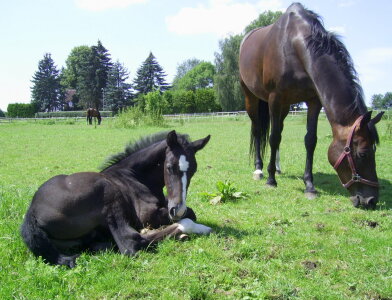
93, 113
296, 59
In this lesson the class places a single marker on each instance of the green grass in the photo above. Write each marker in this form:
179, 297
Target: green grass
274, 245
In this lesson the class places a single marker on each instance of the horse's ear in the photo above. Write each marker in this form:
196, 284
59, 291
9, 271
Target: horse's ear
171, 139
199, 144
366, 119
377, 118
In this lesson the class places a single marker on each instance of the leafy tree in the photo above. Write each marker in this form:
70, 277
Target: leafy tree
46, 91
201, 76
185, 67
380, 101
155, 103
87, 72
205, 101
266, 18
150, 77
2, 114
117, 93
226, 81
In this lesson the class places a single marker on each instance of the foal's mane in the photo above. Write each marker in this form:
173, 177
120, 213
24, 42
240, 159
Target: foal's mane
322, 42
142, 143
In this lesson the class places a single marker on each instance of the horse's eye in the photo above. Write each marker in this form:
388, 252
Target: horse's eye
362, 155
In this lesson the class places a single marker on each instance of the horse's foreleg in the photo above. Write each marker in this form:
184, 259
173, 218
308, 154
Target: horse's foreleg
310, 144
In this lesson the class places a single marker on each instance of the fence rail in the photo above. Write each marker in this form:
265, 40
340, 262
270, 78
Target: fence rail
183, 117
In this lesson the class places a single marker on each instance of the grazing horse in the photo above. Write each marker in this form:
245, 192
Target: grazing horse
96, 211
93, 113
296, 59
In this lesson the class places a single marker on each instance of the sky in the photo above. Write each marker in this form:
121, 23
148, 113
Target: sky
174, 31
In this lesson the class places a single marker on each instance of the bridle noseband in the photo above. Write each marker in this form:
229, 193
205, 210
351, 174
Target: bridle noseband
347, 153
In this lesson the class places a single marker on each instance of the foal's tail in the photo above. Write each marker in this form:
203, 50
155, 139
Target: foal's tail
39, 243
260, 129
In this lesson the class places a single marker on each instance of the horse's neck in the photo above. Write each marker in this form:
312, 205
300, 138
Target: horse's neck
336, 93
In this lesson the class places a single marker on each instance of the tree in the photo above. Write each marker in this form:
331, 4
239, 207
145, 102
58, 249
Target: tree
199, 77
266, 18
87, 72
2, 114
117, 94
382, 102
46, 91
226, 80
150, 77
185, 67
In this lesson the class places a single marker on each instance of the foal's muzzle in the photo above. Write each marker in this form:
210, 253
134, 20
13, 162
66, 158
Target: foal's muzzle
177, 212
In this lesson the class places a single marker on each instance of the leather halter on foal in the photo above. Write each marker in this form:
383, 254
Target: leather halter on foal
347, 153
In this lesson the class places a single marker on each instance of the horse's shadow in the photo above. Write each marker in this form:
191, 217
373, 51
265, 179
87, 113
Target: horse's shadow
329, 184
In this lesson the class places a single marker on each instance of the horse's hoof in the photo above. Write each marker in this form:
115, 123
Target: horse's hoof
311, 195
183, 237
278, 172
257, 175
271, 183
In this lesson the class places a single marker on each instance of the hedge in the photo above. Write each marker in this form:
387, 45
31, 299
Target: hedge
69, 114
21, 110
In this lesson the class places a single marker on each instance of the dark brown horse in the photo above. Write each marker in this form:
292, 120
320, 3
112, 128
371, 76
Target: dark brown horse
296, 59
95, 211
93, 113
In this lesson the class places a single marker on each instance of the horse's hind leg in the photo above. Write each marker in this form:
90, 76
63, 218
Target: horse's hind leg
310, 144
39, 243
277, 115
252, 104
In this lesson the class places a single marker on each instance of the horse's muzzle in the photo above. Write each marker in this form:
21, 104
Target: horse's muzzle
365, 202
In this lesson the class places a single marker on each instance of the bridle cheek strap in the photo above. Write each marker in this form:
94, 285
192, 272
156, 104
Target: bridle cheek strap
347, 153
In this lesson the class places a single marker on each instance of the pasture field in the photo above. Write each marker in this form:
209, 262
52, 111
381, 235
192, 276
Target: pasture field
274, 245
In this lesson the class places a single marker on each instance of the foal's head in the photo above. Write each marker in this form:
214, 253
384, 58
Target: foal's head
179, 167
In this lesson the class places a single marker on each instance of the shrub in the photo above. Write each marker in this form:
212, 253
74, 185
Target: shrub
134, 116
21, 110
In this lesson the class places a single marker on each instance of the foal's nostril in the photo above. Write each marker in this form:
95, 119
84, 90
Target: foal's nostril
172, 212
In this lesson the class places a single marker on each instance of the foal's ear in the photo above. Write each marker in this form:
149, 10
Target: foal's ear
199, 144
171, 139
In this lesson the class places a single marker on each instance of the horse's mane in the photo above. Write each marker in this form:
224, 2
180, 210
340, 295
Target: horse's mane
134, 146
322, 42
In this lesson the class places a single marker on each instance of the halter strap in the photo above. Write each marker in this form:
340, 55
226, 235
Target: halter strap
347, 153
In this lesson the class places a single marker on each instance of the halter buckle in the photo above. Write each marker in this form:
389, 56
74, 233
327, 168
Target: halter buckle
347, 150
356, 178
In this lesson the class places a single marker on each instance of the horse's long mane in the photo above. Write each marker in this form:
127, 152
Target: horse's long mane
135, 146
322, 42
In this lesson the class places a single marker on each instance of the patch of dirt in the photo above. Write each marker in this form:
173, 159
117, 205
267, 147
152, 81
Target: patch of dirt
310, 265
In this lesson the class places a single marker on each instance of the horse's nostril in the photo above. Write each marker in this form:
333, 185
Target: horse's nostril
371, 201
356, 200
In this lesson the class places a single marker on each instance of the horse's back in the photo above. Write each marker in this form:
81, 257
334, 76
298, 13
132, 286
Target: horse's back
69, 206
273, 58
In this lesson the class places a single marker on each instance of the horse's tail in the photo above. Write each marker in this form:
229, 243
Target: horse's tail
39, 243
260, 129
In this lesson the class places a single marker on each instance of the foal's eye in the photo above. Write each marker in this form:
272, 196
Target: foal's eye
362, 155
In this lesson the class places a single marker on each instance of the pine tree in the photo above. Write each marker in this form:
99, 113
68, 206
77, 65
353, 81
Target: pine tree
102, 64
46, 91
117, 93
150, 77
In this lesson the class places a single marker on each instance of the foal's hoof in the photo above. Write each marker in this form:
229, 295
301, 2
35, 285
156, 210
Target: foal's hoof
311, 195
257, 175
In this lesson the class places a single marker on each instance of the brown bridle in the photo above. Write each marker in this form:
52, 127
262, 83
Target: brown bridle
347, 153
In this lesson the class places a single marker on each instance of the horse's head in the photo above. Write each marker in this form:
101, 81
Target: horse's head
352, 154
179, 167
